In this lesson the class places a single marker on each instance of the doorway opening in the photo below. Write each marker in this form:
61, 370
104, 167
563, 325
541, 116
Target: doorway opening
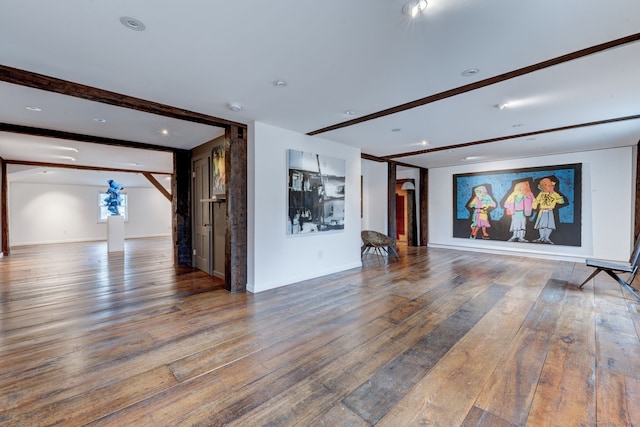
406, 222
209, 208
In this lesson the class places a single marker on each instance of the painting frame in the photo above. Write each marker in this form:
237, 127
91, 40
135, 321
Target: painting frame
539, 205
316, 189
218, 171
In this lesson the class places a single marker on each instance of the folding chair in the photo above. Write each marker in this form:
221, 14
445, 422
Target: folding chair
614, 269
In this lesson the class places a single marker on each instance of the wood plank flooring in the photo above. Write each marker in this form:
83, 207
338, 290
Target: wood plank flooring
439, 337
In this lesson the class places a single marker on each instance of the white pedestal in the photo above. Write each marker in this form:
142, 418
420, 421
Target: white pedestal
115, 233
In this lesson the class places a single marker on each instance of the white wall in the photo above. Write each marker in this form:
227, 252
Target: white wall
374, 196
48, 213
607, 206
275, 258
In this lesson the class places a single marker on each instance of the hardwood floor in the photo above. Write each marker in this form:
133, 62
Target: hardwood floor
439, 337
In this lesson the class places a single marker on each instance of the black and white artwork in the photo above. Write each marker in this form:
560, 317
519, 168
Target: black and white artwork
316, 193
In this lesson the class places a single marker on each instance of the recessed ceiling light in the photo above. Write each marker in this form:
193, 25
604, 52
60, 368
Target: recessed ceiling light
350, 112
470, 72
73, 159
504, 105
234, 106
75, 150
100, 120
280, 83
164, 132
132, 23
414, 8
471, 158
424, 142
31, 108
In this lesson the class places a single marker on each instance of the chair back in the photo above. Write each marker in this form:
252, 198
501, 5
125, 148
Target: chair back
364, 235
375, 238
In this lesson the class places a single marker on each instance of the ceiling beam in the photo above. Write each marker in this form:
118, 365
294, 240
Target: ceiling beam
486, 82
48, 133
79, 167
504, 138
372, 157
152, 179
65, 87
386, 160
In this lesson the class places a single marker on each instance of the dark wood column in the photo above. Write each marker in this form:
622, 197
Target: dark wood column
181, 205
391, 201
236, 240
424, 206
4, 207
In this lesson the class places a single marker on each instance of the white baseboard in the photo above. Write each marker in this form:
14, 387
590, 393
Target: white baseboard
515, 252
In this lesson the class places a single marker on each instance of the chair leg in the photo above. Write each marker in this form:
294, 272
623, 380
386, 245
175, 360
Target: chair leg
633, 291
365, 249
394, 251
598, 270
623, 283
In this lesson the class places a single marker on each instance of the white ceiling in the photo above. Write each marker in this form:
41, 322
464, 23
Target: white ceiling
335, 55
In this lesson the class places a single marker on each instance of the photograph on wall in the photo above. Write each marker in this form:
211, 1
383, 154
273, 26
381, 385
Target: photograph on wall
541, 205
218, 175
316, 193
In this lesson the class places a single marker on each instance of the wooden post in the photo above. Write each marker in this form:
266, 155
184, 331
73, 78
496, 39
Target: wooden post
4, 208
235, 161
412, 229
181, 206
391, 202
424, 207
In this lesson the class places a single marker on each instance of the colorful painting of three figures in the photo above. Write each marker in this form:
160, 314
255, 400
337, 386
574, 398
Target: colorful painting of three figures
540, 205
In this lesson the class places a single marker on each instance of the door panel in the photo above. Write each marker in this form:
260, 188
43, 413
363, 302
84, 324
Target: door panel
219, 235
202, 215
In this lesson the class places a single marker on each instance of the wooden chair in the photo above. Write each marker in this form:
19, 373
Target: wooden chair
378, 241
614, 269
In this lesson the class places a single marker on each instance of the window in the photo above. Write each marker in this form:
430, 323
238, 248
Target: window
103, 209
